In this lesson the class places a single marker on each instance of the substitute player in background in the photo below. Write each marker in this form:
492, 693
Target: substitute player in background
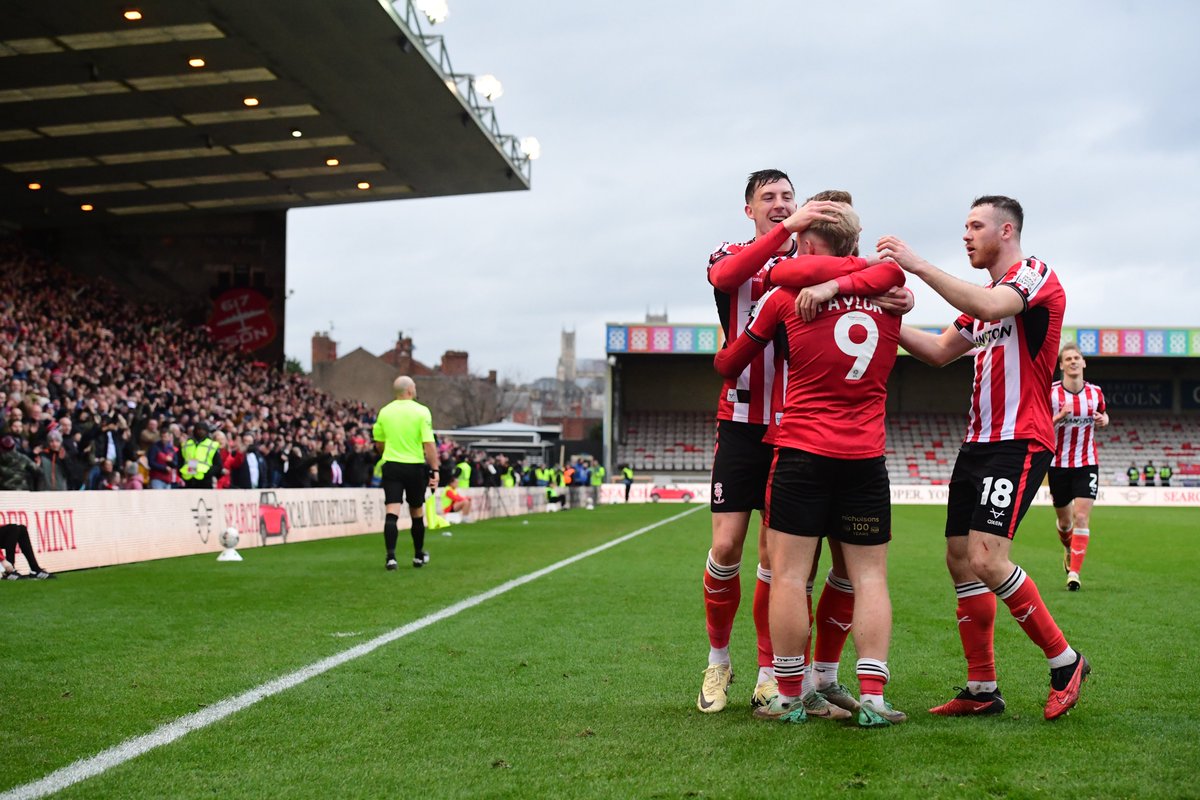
838, 362
404, 438
1078, 408
1014, 324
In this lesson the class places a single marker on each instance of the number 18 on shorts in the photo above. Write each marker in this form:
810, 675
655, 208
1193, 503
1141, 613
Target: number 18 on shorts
993, 484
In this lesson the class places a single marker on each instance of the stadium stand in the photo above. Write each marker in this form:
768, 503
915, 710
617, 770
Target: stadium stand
1139, 438
921, 448
668, 441
74, 347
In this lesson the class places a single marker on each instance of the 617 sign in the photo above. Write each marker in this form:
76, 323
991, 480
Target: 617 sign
241, 320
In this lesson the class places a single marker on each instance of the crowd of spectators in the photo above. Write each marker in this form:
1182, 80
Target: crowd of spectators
100, 392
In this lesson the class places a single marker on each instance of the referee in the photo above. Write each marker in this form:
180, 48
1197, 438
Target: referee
404, 438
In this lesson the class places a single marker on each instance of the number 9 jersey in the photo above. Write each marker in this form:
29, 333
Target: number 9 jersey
837, 371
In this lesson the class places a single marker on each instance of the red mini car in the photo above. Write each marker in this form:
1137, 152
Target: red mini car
272, 518
671, 493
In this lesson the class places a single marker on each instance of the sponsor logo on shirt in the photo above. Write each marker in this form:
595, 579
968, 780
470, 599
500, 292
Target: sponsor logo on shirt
1027, 279
992, 335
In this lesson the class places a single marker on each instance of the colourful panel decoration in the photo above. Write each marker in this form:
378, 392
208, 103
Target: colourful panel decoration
1127, 342
639, 340
1135, 342
685, 340
1155, 343
681, 339
1110, 343
660, 341
1177, 343
618, 339
1132, 342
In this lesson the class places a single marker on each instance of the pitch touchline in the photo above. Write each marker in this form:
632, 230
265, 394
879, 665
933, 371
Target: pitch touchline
132, 748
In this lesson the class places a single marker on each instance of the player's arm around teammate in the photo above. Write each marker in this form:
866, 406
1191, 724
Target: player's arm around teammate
1014, 323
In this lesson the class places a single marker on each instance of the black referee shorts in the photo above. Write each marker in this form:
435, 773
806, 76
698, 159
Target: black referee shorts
405, 480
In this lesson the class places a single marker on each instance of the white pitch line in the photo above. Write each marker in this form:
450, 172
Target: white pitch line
132, 748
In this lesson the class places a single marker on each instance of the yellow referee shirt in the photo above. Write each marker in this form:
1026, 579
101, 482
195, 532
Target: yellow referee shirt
404, 426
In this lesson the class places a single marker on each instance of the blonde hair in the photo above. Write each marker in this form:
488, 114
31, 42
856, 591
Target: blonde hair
842, 235
1068, 346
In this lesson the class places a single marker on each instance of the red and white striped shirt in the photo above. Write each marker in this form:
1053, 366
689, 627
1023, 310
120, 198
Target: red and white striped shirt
740, 275
1015, 359
1075, 434
746, 398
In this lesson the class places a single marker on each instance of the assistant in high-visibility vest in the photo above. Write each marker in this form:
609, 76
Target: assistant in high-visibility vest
508, 475
627, 479
200, 467
596, 479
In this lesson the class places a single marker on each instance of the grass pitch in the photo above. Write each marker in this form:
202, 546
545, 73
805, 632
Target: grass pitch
582, 683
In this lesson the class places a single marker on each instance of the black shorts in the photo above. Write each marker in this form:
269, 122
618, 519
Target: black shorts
849, 500
1067, 483
993, 484
741, 466
404, 480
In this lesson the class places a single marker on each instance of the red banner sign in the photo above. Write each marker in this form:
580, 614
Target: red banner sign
241, 320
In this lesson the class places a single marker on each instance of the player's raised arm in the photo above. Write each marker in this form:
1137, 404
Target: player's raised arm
728, 272
980, 302
937, 350
871, 281
807, 270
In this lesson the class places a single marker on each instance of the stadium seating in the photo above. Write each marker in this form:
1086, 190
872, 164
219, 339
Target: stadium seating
921, 448
668, 441
1141, 438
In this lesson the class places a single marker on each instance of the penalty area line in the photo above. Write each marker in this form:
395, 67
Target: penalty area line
139, 745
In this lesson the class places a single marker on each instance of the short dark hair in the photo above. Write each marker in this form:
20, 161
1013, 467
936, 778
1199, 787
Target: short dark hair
762, 178
1005, 205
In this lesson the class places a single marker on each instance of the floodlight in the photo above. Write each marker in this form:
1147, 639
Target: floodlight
531, 147
435, 10
489, 86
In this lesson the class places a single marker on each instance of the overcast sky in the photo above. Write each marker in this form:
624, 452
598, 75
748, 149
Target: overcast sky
651, 115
